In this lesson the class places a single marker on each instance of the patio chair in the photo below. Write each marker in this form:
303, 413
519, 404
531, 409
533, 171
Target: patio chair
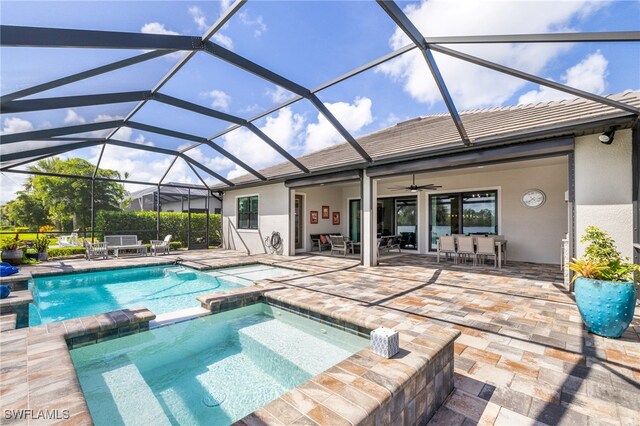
158, 246
487, 247
95, 250
339, 244
447, 246
466, 249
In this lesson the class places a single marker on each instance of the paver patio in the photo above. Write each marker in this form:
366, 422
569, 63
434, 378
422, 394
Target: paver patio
524, 356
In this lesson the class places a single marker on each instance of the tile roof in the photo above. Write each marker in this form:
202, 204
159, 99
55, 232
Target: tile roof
424, 134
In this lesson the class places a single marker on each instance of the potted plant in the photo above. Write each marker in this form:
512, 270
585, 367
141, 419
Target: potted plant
31, 253
12, 250
604, 288
41, 244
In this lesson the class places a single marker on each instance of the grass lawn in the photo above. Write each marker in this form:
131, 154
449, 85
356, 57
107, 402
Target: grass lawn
28, 236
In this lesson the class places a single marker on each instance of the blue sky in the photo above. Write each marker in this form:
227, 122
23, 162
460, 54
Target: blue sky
309, 42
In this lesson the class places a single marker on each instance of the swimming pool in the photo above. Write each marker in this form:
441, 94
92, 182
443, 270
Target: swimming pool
160, 289
212, 370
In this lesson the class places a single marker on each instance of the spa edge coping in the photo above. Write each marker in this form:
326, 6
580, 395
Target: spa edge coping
40, 355
412, 385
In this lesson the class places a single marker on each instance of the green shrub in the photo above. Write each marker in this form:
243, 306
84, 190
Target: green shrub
19, 229
65, 251
143, 224
41, 244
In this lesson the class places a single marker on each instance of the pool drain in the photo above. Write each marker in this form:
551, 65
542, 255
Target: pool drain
214, 399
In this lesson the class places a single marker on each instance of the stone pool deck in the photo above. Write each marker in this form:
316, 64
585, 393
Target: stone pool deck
523, 357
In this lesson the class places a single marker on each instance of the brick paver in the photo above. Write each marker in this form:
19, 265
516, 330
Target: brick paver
524, 356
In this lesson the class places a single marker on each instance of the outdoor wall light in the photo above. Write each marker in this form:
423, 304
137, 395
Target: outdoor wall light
607, 137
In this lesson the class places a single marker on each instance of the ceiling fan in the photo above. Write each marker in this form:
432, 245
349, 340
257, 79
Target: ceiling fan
415, 188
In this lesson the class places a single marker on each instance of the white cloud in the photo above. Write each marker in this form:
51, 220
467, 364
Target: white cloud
472, 86
258, 24
219, 99
10, 183
73, 117
156, 28
589, 75
283, 128
16, 125
215, 162
201, 21
293, 133
224, 40
224, 5
199, 18
279, 94
352, 116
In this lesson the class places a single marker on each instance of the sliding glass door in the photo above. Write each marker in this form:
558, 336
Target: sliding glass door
396, 216
407, 222
470, 213
399, 216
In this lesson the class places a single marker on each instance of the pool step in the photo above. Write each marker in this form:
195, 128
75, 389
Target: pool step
180, 273
282, 341
178, 316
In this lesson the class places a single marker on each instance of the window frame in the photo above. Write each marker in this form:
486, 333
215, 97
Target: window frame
257, 213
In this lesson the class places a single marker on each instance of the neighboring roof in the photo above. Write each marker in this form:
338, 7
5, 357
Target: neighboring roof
424, 135
168, 190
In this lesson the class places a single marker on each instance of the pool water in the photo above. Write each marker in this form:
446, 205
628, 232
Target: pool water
212, 370
160, 289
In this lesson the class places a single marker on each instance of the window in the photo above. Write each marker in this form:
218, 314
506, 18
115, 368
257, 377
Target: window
248, 212
469, 213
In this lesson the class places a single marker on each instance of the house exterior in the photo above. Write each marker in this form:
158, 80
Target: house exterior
537, 174
174, 199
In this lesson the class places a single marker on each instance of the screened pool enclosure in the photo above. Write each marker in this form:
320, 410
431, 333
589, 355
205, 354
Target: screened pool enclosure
268, 82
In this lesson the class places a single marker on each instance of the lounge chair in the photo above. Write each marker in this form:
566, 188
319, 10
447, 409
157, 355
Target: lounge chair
158, 246
95, 250
68, 240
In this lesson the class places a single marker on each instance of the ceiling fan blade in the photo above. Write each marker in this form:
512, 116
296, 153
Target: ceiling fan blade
398, 187
429, 186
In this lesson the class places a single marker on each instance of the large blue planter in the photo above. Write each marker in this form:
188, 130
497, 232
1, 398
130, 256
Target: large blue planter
606, 307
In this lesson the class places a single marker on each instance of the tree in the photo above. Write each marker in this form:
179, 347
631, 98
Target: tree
69, 198
27, 210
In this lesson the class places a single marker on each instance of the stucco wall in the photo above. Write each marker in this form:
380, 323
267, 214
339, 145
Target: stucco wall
273, 207
603, 189
533, 235
314, 199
